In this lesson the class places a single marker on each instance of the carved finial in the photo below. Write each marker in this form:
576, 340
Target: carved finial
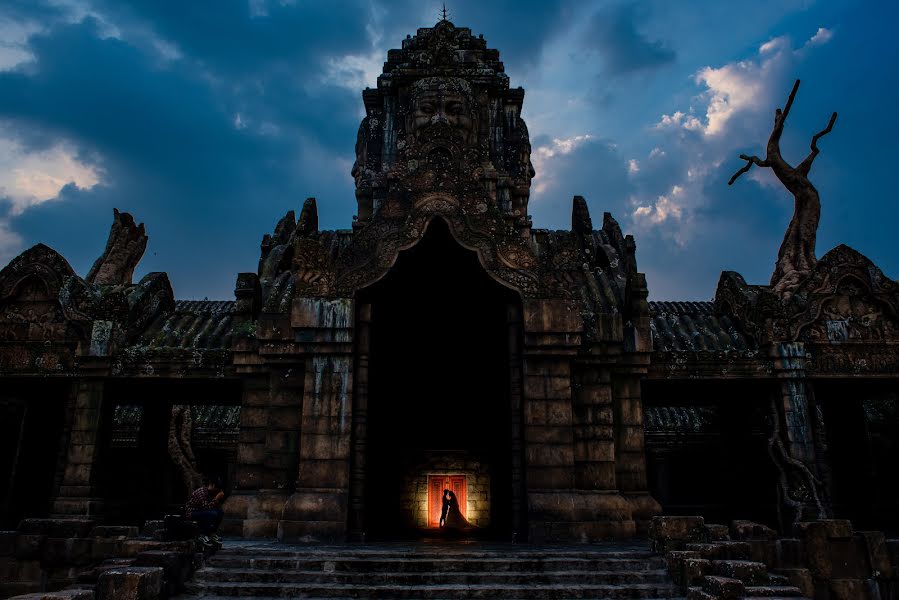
308, 223
124, 249
580, 217
443, 13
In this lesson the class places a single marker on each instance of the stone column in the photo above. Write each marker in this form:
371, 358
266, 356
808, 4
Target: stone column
79, 494
797, 425
630, 449
266, 452
793, 404
516, 383
318, 509
357, 522
557, 509
551, 339
594, 434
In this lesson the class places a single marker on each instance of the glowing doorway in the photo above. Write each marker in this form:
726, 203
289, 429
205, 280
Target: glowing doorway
436, 485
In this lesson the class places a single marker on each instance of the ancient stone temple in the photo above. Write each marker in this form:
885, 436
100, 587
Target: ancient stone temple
444, 342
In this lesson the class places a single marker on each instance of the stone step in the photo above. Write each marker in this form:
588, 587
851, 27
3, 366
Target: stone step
524, 592
419, 564
213, 597
444, 552
214, 575
773, 591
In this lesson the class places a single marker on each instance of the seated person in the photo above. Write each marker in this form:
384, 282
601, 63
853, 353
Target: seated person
204, 507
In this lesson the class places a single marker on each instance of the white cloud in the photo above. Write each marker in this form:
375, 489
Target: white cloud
358, 71
741, 86
633, 166
679, 119
822, 36
735, 106
31, 178
542, 155
14, 43
355, 71
666, 207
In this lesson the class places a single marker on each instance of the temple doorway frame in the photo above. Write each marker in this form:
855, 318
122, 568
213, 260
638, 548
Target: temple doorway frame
357, 525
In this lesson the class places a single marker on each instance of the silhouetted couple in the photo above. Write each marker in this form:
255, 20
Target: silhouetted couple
451, 518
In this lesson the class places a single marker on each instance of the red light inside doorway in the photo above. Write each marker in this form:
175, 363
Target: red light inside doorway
436, 485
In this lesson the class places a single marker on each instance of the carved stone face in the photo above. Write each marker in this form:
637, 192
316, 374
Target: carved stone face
439, 100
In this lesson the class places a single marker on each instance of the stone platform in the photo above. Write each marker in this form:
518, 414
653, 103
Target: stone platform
432, 570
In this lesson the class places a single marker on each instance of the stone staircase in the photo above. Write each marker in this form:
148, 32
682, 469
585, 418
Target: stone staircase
432, 571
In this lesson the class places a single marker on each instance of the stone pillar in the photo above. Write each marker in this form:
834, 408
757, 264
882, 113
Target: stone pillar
630, 449
79, 493
516, 393
793, 404
266, 452
318, 509
594, 434
797, 424
551, 338
557, 509
357, 522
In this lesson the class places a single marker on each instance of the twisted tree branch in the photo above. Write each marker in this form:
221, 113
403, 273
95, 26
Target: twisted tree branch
750, 160
806, 165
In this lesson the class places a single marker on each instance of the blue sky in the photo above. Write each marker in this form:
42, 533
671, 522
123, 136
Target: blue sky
209, 120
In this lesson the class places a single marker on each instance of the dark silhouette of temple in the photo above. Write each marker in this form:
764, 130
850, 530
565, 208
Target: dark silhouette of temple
443, 342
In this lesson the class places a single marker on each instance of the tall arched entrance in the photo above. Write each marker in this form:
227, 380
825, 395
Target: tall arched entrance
438, 400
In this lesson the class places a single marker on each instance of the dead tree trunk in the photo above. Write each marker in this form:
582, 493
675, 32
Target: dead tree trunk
179, 446
796, 257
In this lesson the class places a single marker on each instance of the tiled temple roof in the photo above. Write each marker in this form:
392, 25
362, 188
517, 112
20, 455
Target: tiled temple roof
694, 327
202, 324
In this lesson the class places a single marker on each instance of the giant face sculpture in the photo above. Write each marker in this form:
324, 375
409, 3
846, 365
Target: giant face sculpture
444, 101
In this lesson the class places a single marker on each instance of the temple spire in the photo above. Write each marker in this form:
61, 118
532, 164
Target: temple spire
443, 13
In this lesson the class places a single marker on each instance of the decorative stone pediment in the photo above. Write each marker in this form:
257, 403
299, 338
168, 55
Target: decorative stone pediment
30, 305
845, 299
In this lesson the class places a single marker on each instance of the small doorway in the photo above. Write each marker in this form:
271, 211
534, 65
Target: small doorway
436, 485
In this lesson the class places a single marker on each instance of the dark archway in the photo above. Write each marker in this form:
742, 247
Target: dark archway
138, 478
437, 392
32, 434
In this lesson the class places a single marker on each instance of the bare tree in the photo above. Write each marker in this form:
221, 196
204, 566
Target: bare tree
796, 257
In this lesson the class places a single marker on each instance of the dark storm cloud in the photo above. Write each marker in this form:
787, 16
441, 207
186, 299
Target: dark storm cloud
246, 38
165, 137
614, 33
109, 96
518, 29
